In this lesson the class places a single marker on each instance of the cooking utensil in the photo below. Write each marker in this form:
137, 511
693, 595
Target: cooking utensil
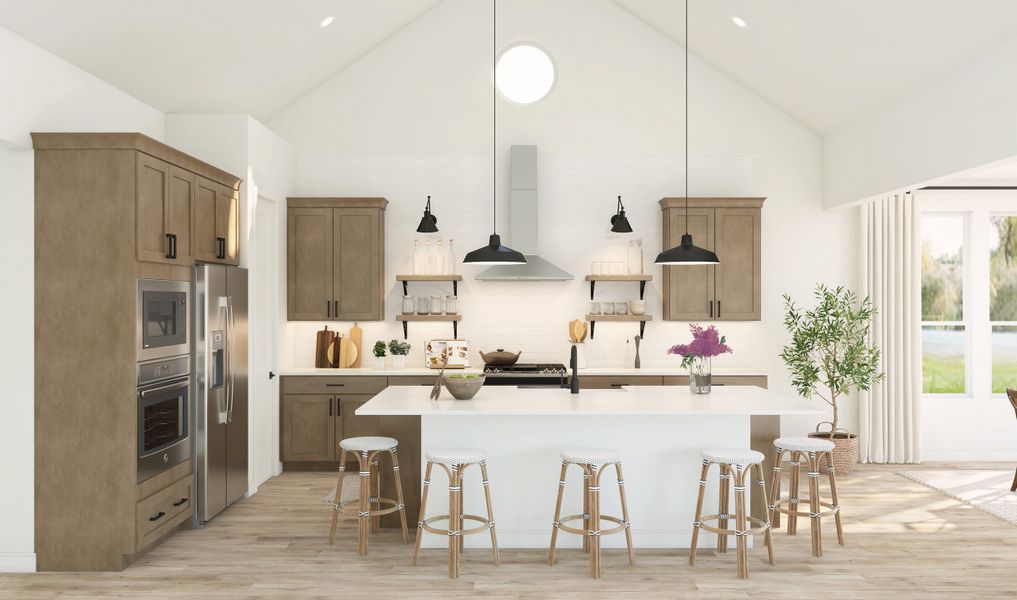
436, 390
500, 358
357, 338
577, 331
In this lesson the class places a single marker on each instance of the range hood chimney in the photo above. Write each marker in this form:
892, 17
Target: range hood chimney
523, 213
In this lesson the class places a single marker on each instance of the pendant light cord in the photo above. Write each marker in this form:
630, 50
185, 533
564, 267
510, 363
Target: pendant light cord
494, 112
686, 117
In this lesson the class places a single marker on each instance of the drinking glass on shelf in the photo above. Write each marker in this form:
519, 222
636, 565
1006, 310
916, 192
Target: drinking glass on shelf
423, 305
594, 308
621, 308
608, 308
436, 305
408, 305
451, 307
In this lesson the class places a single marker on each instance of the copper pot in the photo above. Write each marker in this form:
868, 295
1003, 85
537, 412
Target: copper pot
500, 358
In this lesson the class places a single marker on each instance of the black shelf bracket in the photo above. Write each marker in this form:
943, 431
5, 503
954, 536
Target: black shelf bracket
642, 290
593, 326
406, 290
592, 285
455, 330
642, 327
455, 288
406, 330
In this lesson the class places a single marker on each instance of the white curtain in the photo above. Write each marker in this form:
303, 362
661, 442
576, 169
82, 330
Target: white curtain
891, 276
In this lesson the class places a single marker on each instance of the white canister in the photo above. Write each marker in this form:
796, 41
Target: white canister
637, 307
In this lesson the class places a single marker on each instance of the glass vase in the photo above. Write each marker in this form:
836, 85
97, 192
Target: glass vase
699, 375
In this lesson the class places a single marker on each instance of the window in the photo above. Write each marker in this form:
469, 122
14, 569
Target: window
525, 73
1003, 301
944, 329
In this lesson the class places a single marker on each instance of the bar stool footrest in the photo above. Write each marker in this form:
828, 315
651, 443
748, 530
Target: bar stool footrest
561, 527
762, 525
351, 509
783, 507
486, 525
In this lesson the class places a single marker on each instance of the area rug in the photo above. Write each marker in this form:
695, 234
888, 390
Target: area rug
988, 491
351, 489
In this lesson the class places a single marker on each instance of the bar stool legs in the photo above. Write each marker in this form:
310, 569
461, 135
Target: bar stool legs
369, 503
592, 463
454, 463
810, 451
735, 468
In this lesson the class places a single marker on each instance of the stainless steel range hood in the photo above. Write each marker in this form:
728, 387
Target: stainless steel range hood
523, 210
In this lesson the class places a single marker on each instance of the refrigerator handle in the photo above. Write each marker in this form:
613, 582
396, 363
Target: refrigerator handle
231, 375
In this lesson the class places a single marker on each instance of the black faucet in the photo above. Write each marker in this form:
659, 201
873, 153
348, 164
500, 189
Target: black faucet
574, 364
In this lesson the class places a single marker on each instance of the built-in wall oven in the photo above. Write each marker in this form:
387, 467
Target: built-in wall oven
164, 397
164, 319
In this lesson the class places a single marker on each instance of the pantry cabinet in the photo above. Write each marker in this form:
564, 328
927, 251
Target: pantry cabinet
335, 259
731, 290
216, 226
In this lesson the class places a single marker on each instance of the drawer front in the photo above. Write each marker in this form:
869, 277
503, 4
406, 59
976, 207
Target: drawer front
608, 382
754, 380
164, 510
333, 385
420, 380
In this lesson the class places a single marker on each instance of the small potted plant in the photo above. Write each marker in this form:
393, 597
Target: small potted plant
399, 351
379, 355
828, 355
698, 354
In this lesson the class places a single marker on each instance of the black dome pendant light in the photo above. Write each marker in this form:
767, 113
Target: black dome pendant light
619, 222
494, 253
429, 222
686, 253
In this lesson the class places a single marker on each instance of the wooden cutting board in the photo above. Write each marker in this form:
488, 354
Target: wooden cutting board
356, 337
577, 331
348, 353
324, 341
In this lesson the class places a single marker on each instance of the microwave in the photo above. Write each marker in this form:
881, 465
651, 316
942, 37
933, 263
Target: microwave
164, 322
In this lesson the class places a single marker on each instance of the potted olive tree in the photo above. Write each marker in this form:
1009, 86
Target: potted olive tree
399, 351
379, 354
828, 355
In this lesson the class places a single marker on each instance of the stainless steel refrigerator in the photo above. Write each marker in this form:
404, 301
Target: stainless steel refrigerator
220, 399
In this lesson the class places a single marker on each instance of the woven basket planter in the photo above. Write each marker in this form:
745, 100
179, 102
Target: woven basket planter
845, 449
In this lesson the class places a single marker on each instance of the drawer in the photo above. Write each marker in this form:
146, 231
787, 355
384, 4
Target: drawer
754, 380
615, 381
163, 510
364, 384
414, 379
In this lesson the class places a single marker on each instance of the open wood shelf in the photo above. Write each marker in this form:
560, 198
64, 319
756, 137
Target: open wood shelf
454, 319
641, 319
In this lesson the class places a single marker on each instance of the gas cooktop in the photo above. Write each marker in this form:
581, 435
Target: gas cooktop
528, 375
551, 369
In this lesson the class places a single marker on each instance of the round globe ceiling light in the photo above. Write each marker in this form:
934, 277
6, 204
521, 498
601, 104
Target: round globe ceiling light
524, 73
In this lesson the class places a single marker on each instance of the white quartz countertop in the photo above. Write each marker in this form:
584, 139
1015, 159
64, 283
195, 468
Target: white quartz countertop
633, 400
590, 371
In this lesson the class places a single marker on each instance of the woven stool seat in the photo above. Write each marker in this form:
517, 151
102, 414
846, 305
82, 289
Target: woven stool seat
368, 443
732, 456
803, 444
590, 456
456, 456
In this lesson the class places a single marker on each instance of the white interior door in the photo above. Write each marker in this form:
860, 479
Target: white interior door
264, 322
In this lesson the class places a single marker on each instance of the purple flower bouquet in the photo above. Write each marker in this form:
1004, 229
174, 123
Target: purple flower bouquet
706, 343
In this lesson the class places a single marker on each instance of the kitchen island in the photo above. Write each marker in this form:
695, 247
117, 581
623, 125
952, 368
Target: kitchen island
659, 431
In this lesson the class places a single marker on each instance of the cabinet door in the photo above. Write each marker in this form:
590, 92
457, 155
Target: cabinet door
179, 213
308, 428
357, 425
206, 195
689, 290
309, 264
151, 205
227, 225
738, 292
358, 264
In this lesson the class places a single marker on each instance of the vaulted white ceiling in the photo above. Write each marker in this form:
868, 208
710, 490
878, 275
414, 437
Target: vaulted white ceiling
210, 56
822, 61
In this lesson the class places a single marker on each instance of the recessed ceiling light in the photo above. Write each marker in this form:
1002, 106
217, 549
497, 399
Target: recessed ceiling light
737, 21
328, 21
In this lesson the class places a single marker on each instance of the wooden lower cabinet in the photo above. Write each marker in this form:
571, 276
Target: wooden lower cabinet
753, 380
308, 427
606, 382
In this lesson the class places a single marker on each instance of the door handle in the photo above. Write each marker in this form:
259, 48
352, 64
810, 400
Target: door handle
330, 406
711, 309
335, 308
169, 245
718, 309
180, 502
220, 247
341, 384
328, 308
158, 516
271, 375
231, 325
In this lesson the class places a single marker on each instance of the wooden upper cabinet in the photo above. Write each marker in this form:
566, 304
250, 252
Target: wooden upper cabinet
227, 224
180, 214
731, 290
152, 206
206, 195
335, 259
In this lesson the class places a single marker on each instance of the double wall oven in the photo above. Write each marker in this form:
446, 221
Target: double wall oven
164, 375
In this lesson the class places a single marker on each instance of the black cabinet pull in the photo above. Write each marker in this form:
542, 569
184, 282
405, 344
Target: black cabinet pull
335, 309
718, 309
338, 404
328, 308
330, 406
180, 502
169, 245
342, 384
157, 517
220, 247
711, 309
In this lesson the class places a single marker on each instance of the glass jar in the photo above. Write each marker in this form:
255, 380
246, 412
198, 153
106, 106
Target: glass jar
608, 308
621, 308
451, 305
594, 308
408, 305
436, 305
423, 305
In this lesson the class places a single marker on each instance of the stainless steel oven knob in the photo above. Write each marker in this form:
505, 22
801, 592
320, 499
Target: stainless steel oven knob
165, 457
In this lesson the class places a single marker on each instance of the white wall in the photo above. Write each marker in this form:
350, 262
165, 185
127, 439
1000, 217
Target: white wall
40, 92
963, 120
243, 146
413, 117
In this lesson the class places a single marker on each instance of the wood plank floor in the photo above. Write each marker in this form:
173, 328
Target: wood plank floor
904, 541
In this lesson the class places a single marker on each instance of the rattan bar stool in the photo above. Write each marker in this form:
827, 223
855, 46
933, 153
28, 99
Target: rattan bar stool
592, 461
368, 508
812, 451
734, 466
455, 462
